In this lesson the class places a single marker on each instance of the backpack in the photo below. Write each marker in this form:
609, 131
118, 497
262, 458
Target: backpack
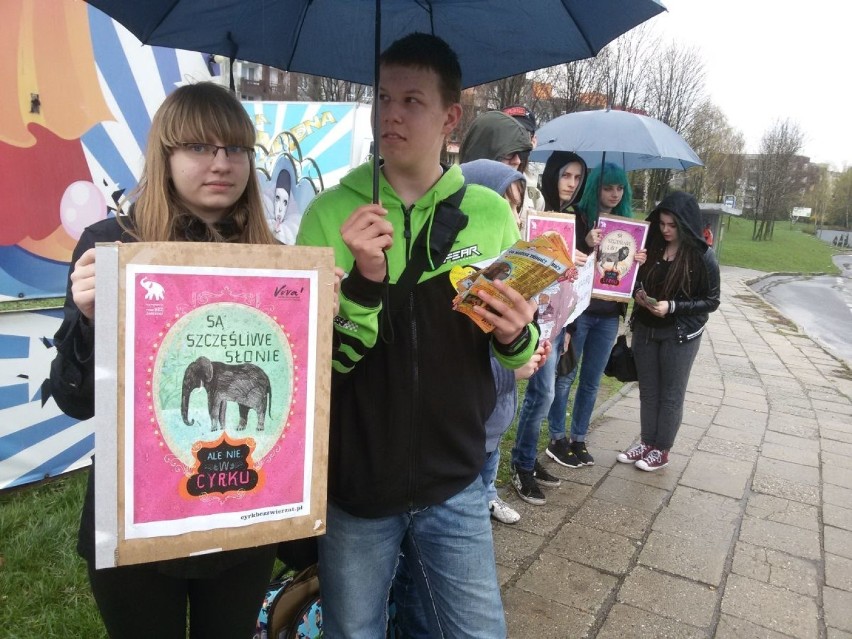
288, 600
292, 609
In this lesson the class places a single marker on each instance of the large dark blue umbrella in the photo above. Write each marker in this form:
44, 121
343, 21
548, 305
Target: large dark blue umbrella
335, 38
341, 38
630, 140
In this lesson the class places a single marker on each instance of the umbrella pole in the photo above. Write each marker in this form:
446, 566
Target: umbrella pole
377, 52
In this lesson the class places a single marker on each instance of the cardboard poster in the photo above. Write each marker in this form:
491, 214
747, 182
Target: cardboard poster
616, 266
558, 302
218, 435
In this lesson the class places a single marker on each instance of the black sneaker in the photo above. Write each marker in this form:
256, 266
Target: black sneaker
545, 478
579, 450
559, 450
527, 488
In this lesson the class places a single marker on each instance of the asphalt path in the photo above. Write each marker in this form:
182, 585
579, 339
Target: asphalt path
821, 305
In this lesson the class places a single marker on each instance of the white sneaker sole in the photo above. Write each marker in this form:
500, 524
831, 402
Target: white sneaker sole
559, 461
641, 465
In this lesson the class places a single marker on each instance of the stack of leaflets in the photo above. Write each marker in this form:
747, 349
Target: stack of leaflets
527, 266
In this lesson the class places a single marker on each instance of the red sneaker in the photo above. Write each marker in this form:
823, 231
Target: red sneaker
654, 459
634, 454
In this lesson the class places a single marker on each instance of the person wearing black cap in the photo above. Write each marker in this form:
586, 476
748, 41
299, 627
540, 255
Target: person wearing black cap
526, 118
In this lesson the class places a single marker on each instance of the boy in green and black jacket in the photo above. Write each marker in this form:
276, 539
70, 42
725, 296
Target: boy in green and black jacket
412, 384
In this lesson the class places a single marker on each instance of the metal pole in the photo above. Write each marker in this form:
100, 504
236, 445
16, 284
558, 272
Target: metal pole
378, 49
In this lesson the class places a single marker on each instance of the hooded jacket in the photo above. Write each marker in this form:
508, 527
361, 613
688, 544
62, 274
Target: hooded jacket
550, 180
497, 177
493, 135
690, 310
491, 174
408, 409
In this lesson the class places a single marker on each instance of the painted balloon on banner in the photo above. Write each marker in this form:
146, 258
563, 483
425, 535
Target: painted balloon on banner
82, 205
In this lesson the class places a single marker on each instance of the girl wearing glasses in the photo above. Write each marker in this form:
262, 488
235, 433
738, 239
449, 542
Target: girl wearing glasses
198, 185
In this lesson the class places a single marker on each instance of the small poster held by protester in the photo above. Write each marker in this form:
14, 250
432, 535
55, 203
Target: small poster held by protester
567, 298
527, 267
615, 257
214, 377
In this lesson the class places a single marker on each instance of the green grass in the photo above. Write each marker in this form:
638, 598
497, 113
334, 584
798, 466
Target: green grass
44, 589
8, 306
789, 250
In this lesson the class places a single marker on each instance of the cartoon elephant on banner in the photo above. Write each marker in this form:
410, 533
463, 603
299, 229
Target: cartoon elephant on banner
246, 384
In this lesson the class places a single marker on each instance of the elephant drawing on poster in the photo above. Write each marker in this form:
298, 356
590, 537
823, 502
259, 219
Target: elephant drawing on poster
246, 384
155, 290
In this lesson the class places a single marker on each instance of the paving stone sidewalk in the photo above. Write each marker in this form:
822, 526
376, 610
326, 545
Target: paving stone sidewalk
747, 532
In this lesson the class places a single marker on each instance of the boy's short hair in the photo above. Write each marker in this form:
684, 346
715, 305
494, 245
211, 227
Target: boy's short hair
424, 51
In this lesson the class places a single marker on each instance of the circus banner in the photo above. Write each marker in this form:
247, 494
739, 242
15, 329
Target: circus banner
79, 94
615, 257
211, 426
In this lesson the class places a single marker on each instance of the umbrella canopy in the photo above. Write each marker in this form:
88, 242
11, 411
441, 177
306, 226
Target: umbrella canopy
629, 140
343, 38
335, 38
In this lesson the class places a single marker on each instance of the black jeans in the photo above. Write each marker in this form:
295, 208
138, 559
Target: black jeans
663, 366
144, 601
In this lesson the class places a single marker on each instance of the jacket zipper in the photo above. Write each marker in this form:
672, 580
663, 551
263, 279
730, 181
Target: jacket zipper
412, 466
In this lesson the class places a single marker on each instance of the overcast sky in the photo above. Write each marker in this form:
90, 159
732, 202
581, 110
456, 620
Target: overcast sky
775, 59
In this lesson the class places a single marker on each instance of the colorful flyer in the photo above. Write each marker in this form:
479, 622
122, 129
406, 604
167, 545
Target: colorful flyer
615, 259
218, 425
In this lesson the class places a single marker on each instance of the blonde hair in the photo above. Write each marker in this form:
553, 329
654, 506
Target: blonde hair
201, 112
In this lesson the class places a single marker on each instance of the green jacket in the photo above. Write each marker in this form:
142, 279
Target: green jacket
409, 407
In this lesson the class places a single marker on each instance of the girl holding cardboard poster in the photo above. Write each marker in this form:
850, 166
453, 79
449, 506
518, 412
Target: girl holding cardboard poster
199, 184
677, 290
594, 331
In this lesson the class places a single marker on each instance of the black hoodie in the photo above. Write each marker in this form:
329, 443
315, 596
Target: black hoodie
690, 310
550, 180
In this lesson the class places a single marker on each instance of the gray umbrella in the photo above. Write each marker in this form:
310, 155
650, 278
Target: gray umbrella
629, 140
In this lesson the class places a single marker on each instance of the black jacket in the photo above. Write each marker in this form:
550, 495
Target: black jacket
690, 311
72, 385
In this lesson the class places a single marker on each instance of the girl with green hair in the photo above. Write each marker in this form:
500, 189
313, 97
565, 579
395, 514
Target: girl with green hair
593, 333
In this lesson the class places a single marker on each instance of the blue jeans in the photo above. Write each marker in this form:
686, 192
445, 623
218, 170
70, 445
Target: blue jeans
450, 557
488, 474
537, 399
593, 338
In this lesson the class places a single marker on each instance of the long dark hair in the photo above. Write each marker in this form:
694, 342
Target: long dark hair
687, 274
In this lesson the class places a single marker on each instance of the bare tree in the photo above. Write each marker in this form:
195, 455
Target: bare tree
776, 182
569, 87
508, 91
720, 147
674, 94
314, 88
624, 65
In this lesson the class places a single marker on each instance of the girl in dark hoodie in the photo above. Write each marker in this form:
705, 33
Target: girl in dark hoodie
677, 288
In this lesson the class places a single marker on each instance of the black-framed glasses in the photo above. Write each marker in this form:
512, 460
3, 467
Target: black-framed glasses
233, 152
523, 156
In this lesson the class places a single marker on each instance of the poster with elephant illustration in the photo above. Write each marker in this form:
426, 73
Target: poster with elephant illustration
615, 258
222, 377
